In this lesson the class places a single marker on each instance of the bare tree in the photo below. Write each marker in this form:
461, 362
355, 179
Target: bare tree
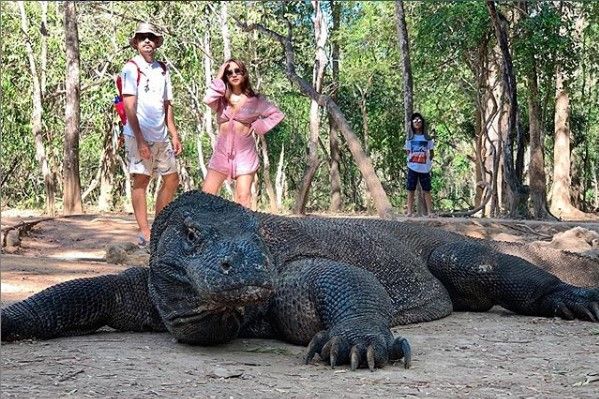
561, 199
44, 46
517, 195
320, 62
72, 183
561, 205
36, 117
408, 93
536, 169
404, 46
225, 30
334, 142
380, 199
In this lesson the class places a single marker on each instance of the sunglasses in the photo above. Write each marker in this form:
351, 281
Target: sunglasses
143, 36
236, 71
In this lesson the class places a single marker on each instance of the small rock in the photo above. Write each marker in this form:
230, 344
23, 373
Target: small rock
11, 250
116, 254
13, 239
127, 253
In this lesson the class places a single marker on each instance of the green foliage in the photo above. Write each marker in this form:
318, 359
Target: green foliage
446, 39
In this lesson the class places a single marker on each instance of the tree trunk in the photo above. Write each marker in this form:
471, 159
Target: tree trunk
381, 201
127, 207
280, 179
72, 184
517, 195
595, 190
36, 118
561, 205
270, 191
262, 142
44, 46
478, 67
536, 169
207, 80
225, 30
108, 166
364, 112
404, 46
186, 179
320, 62
334, 141
491, 140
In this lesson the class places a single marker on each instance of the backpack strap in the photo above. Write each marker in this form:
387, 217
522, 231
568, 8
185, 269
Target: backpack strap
139, 72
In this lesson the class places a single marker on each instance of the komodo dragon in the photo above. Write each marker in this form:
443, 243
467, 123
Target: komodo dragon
219, 271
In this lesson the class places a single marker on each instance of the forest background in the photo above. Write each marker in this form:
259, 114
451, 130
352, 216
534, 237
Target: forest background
509, 90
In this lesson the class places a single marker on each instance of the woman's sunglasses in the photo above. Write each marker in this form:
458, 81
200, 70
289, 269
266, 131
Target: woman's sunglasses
235, 71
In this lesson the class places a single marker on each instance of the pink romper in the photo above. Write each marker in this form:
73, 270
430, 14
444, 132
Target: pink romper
235, 153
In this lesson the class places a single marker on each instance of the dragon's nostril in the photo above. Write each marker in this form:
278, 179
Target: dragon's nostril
225, 265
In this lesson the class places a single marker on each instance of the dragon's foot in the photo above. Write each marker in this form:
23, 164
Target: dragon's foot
570, 302
360, 347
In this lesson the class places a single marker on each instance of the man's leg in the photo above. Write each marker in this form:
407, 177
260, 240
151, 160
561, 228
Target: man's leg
243, 190
138, 200
213, 182
167, 191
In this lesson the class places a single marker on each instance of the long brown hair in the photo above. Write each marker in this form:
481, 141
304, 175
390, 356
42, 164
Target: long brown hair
246, 85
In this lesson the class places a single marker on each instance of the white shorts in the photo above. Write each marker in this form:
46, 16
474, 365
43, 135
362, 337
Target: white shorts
162, 160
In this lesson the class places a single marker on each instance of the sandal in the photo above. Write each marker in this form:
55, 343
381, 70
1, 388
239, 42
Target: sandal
141, 241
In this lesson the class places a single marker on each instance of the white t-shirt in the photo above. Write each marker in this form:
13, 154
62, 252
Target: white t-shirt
153, 90
419, 156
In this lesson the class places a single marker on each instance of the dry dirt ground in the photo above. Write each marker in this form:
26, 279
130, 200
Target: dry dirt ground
481, 355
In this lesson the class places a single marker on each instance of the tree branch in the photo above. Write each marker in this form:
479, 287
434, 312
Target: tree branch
363, 162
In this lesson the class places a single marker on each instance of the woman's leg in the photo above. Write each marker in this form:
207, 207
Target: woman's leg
243, 190
213, 182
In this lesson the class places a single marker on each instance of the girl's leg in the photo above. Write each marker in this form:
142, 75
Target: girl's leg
213, 182
243, 190
428, 199
410, 203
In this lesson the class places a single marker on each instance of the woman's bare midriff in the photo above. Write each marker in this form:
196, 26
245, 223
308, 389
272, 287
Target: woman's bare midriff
238, 128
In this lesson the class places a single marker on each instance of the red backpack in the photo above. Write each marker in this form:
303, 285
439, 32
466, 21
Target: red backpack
118, 100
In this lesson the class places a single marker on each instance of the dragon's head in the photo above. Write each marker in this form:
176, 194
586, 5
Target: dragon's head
207, 263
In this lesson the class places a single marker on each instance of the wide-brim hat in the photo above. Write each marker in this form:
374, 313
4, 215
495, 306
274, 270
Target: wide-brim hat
146, 27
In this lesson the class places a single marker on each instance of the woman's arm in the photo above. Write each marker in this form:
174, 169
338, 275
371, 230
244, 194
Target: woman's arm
269, 118
215, 95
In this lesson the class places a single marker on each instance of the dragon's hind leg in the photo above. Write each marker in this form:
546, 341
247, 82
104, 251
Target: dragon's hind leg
478, 277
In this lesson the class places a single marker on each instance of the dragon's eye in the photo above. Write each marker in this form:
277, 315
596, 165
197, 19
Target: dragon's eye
192, 236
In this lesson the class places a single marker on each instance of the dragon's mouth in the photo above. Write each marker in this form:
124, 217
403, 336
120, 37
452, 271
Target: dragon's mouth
231, 300
240, 296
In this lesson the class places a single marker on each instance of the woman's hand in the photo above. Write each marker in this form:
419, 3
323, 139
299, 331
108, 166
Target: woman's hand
221, 71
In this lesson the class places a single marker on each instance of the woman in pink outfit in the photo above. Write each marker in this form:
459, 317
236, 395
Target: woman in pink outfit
240, 113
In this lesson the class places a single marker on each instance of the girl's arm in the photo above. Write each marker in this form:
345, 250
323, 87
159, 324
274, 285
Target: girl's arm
215, 95
269, 118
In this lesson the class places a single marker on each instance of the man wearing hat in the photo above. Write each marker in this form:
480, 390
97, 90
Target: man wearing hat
147, 96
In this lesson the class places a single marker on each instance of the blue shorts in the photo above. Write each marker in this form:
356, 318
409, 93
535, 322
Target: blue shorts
414, 177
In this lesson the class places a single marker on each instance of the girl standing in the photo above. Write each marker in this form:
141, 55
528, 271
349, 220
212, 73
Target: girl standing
419, 149
240, 113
